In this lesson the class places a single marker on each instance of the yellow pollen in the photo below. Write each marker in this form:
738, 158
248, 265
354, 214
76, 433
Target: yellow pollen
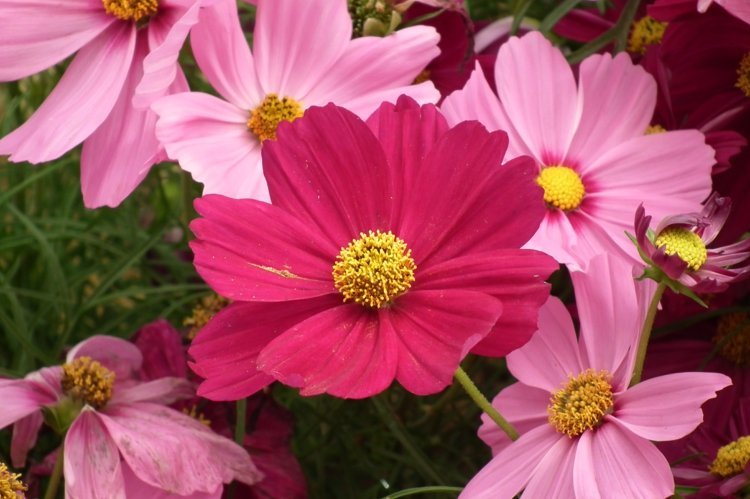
203, 312
655, 129
687, 245
265, 119
88, 381
563, 187
374, 269
131, 10
646, 31
733, 337
11, 486
199, 416
732, 458
422, 77
581, 403
743, 75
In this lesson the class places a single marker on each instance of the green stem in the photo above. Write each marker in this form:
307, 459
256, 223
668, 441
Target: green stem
424, 490
239, 425
484, 404
617, 34
54, 480
556, 14
646, 334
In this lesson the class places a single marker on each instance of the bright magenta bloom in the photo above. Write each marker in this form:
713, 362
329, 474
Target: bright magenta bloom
124, 52
303, 56
600, 445
390, 251
119, 429
595, 160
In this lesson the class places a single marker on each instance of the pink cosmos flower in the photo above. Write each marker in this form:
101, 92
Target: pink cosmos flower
390, 251
584, 433
679, 248
117, 428
303, 56
125, 50
595, 161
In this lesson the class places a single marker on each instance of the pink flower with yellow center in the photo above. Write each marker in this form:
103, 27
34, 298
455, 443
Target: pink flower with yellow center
595, 161
302, 56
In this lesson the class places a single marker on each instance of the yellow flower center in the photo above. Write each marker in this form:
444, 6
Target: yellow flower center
203, 312
581, 403
733, 337
655, 129
685, 244
131, 10
732, 458
562, 186
743, 75
374, 269
198, 416
646, 31
265, 119
422, 77
88, 381
11, 486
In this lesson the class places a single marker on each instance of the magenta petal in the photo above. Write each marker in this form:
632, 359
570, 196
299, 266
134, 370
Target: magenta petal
163, 354
525, 407
20, 399
79, 103
248, 250
667, 407
553, 478
25, 433
92, 462
115, 354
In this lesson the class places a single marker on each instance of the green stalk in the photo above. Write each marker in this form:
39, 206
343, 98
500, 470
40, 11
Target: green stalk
54, 480
484, 404
646, 334
239, 426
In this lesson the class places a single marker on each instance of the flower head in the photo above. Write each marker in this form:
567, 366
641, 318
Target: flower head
11, 486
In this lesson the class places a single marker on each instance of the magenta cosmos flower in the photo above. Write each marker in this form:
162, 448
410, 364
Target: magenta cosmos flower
303, 56
390, 251
126, 50
595, 161
678, 248
584, 433
117, 428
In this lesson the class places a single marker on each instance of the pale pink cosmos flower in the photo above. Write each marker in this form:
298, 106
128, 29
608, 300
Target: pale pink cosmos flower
600, 445
125, 51
302, 56
119, 431
596, 162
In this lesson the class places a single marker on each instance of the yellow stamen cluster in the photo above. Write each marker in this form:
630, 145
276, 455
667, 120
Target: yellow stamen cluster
265, 119
733, 337
422, 77
563, 187
374, 269
743, 75
11, 486
203, 312
131, 10
686, 244
655, 129
732, 458
581, 403
88, 381
646, 31
199, 416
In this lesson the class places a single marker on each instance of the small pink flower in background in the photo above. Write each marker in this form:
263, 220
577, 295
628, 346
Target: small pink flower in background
390, 251
125, 50
679, 248
118, 428
595, 161
584, 432
303, 56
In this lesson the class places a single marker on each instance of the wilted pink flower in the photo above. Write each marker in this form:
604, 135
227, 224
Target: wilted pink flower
595, 161
303, 56
679, 248
112, 422
390, 251
125, 50
584, 433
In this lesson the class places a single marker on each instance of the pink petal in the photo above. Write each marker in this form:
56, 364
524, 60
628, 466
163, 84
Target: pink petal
362, 106
25, 433
163, 354
38, 34
222, 53
118, 355
667, 407
227, 348
91, 462
210, 139
611, 462
738, 8
248, 250
554, 475
135, 487
79, 103
175, 452
525, 407
20, 399
538, 91
163, 390
509, 471
297, 42
551, 355
617, 100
